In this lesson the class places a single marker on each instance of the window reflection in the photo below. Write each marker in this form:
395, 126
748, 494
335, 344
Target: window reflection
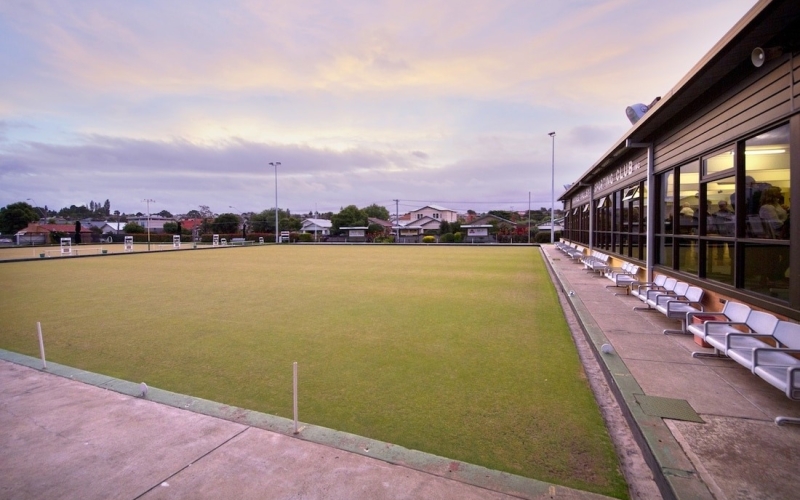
719, 259
766, 269
687, 255
668, 200
720, 219
688, 212
767, 182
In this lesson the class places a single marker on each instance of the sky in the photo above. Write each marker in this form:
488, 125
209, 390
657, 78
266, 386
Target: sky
186, 103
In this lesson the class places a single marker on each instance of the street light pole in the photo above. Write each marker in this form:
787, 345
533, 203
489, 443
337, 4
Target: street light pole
148, 201
44, 219
277, 234
553, 191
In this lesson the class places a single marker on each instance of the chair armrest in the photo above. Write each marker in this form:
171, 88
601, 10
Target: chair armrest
684, 302
659, 293
730, 323
773, 349
730, 335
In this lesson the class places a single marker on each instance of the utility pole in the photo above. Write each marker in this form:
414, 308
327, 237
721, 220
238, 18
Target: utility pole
148, 201
553, 191
397, 219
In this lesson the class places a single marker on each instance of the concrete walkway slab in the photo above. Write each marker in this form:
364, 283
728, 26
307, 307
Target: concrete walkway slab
738, 452
66, 439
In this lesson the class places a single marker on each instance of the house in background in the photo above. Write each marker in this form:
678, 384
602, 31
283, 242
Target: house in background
155, 222
493, 221
41, 234
434, 212
321, 227
385, 224
427, 225
113, 227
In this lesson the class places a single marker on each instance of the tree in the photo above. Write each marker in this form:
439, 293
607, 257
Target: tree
165, 214
107, 207
226, 223
206, 212
172, 228
444, 227
78, 232
16, 216
376, 211
133, 228
264, 222
349, 216
194, 214
505, 214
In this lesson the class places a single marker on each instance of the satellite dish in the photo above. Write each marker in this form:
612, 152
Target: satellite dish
758, 57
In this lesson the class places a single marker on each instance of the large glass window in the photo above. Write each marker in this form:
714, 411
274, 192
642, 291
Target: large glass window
766, 199
732, 213
689, 199
766, 186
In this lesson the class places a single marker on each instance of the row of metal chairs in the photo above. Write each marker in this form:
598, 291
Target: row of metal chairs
571, 251
596, 262
670, 297
625, 276
759, 341
756, 340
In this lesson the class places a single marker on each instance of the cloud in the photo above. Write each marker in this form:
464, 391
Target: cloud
362, 101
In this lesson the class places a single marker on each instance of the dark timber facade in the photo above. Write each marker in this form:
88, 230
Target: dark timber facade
701, 188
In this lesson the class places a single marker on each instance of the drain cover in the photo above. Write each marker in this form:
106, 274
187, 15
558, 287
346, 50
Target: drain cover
675, 409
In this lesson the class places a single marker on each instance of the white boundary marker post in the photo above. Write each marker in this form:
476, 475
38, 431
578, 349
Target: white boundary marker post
294, 379
215, 242
129, 243
41, 347
176, 241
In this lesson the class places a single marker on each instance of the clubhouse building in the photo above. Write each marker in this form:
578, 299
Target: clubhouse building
701, 187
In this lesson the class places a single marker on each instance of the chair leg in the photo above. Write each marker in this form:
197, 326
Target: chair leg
787, 420
682, 331
715, 354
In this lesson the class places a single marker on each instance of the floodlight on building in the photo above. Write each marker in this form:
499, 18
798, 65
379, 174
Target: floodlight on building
636, 111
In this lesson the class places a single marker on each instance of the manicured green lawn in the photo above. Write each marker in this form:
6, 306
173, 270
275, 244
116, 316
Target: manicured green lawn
458, 351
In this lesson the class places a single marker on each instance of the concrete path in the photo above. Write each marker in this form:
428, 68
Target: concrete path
738, 452
63, 438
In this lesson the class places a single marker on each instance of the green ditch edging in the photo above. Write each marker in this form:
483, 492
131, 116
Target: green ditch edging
474, 475
673, 472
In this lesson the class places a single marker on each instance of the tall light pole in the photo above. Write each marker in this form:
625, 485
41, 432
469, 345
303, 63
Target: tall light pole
44, 220
553, 192
148, 201
277, 234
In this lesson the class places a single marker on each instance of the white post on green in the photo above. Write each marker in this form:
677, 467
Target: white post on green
41, 345
294, 369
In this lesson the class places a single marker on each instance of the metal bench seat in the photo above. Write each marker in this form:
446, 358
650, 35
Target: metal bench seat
656, 298
627, 277
641, 289
690, 302
758, 325
732, 313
